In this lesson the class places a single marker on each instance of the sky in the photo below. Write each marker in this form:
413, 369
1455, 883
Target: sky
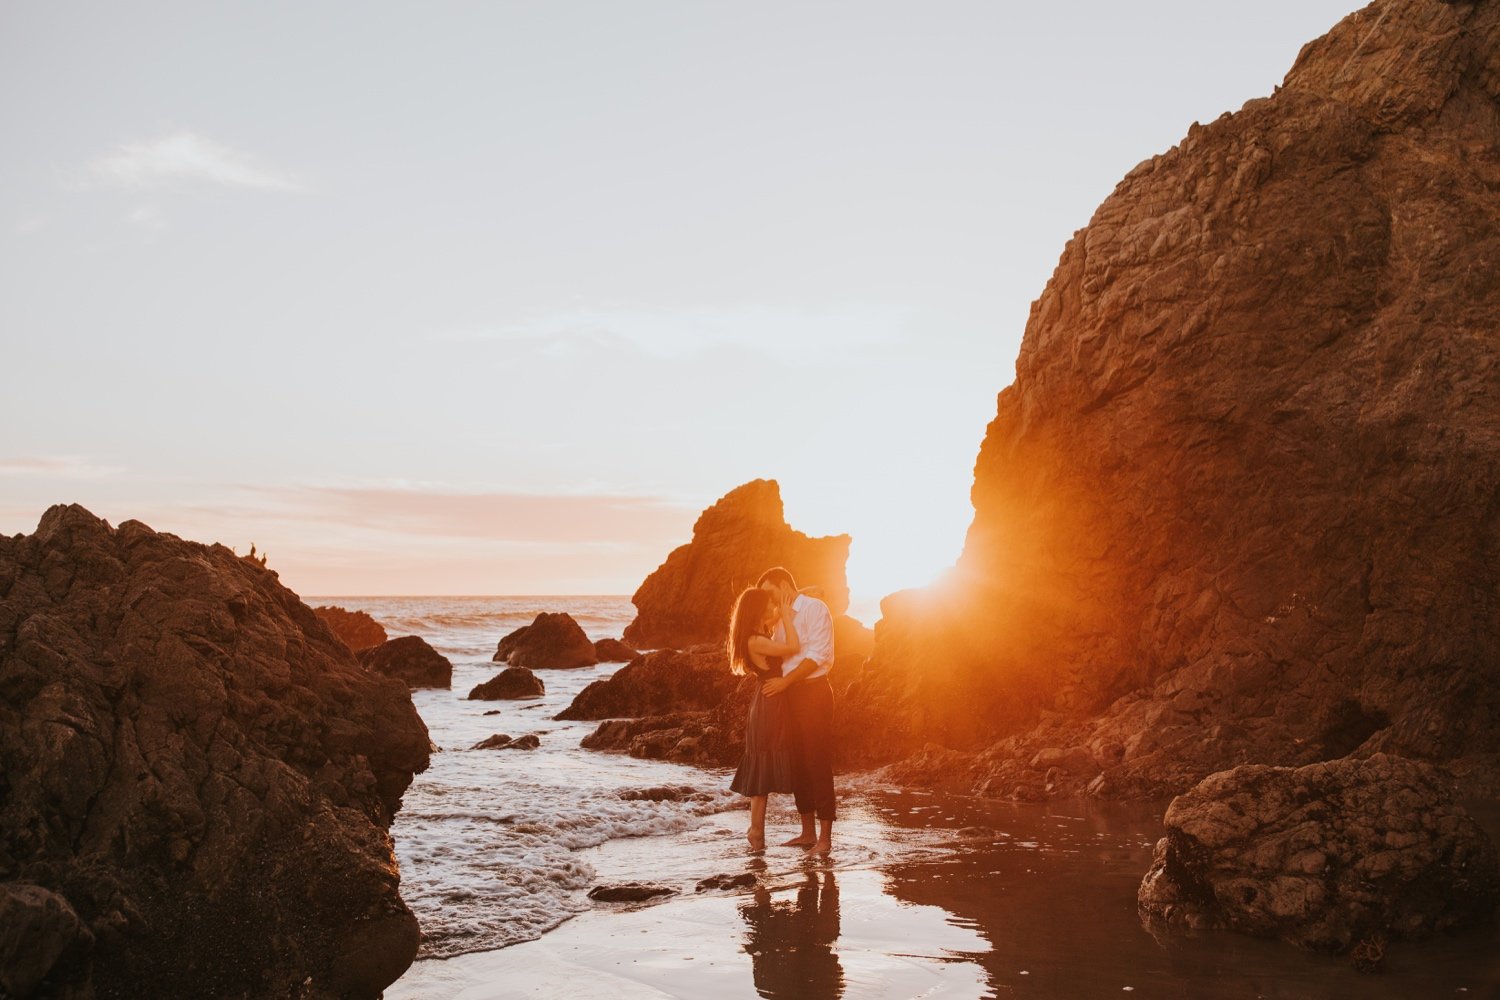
494, 298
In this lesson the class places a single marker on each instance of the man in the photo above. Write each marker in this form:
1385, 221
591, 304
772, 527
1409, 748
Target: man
804, 682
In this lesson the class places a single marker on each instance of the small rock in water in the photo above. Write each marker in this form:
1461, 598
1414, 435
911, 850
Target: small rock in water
499, 741
629, 892
659, 793
726, 882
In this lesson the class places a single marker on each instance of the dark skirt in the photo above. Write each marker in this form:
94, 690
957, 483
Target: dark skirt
766, 766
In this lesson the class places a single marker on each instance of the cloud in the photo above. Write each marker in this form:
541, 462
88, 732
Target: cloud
187, 155
56, 467
146, 216
510, 517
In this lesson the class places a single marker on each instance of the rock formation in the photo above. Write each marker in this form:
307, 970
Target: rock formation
656, 683
1323, 856
198, 776
1240, 503
411, 660
553, 639
688, 598
613, 651
512, 682
356, 628
500, 741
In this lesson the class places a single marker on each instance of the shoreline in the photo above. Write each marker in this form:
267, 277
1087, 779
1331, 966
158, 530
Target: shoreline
926, 895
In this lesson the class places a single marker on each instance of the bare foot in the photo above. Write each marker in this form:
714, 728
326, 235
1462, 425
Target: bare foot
802, 840
823, 846
757, 840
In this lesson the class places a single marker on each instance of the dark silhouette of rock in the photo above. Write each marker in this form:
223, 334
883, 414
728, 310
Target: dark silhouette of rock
687, 599
553, 640
629, 892
726, 882
512, 682
1239, 502
657, 683
502, 742
613, 651
1323, 856
410, 659
356, 628
198, 768
38, 931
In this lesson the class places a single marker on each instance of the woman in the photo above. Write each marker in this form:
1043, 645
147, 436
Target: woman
766, 766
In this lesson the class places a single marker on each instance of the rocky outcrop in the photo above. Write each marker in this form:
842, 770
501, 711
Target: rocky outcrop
1240, 502
500, 741
613, 651
356, 629
687, 600
1323, 856
197, 769
657, 683
552, 640
512, 682
411, 660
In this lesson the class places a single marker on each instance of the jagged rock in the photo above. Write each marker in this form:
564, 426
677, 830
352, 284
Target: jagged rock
657, 683
853, 642
629, 892
411, 660
356, 628
552, 640
1323, 856
199, 767
38, 930
512, 682
500, 741
1077, 761
725, 882
613, 651
687, 600
1244, 481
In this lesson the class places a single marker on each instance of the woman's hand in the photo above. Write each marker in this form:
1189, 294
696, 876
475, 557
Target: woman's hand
774, 686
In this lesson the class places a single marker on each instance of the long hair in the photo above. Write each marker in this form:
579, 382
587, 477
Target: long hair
747, 619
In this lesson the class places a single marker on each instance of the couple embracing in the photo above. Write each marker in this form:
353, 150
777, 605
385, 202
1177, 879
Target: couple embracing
784, 639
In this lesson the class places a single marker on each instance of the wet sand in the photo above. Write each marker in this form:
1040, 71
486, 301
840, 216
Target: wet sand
926, 896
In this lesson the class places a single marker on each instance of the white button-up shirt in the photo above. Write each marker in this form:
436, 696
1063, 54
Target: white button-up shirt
815, 630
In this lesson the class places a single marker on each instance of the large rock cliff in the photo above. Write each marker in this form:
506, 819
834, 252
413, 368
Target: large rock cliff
196, 776
1242, 501
688, 598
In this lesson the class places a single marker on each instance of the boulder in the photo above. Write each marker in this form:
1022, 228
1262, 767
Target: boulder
500, 741
657, 683
198, 768
613, 651
411, 660
629, 892
356, 629
1244, 479
552, 640
512, 682
1323, 856
37, 930
688, 598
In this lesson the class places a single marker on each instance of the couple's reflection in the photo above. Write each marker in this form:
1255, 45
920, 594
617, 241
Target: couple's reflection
791, 939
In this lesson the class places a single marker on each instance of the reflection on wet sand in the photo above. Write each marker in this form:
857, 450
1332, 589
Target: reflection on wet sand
791, 941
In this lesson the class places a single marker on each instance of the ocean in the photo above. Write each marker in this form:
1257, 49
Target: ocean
489, 841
